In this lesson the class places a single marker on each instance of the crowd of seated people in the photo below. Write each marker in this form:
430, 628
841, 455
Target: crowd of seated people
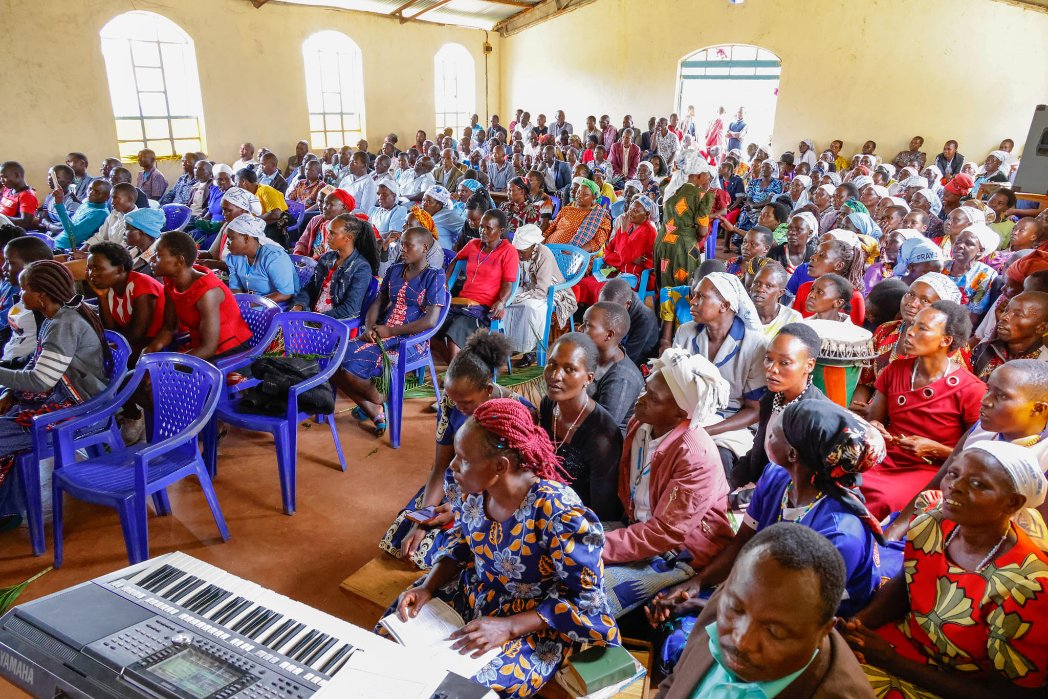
676, 402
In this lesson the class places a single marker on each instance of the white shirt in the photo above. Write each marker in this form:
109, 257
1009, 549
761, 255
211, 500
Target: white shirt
112, 230
23, 333
644, 445
240, 165
807, 156
363, 188
417, 185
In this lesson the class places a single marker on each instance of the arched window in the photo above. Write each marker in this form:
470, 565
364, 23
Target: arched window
731, 76
455, 87
334, 89
153, 82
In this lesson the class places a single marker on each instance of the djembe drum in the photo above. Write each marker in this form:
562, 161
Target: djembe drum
846, 349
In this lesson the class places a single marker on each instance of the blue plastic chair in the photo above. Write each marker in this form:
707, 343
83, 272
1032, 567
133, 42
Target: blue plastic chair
303, 333
304, 268
258, 312
556, 205
44, 237
185, 392
176, 217
638, 285
617, 208
495, 325
369, 298
711, 240
105, 433
398, 377
604, 201
297, 211
573, 264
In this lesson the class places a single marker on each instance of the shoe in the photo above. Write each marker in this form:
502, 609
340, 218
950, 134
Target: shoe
133, 431
525, 360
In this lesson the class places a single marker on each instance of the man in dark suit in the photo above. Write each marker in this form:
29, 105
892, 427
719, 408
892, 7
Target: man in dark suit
788, 577
556, 173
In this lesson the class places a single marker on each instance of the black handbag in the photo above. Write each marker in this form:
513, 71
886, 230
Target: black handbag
276, 376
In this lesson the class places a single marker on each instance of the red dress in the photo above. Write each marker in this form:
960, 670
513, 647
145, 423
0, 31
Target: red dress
233, 331
628, 245
858, 304
121, 307
942, 411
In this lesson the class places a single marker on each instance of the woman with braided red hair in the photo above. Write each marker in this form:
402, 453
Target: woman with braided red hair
523, 563
68, 368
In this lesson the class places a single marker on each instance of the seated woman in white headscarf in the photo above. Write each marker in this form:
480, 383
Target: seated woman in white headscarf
257, 264
799, 191
235, 203
526, 316
671, 483
728, 331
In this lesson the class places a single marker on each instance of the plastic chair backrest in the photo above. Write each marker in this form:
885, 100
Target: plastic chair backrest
304, 268
119, 353
258, 312
617, 208
459, 268
571, 261
176, 216
369, 296
183, 388
423, 336
556, 205
295, 208
312, 334
44, 237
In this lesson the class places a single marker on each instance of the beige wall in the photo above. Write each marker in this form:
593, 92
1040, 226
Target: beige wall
251, 74
972, 70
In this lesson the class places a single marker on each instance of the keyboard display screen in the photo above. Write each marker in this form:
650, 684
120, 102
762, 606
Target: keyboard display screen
195, 673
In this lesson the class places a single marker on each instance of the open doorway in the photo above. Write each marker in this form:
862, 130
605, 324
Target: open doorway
731, 76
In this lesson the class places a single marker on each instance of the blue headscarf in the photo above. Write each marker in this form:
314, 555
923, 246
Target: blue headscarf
865, 224
149, 221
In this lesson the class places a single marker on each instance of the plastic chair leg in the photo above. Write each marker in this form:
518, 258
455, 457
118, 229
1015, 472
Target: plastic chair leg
209, 438
395, 405
29, 474
132, 515
212, 501
330, 419
56, 522
285, 467
161, 503
433, 373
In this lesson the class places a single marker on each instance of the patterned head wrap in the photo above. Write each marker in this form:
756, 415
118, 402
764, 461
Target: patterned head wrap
439, 194
942, 285
915, 181
914, 252
1020, 463
856, 206
470, 184
731, 290
837, 446
424, 220
695, 382
588, 184
933, 200
862, 181
243, 199
649, 206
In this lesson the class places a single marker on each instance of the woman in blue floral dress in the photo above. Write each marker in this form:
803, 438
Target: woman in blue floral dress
523, 563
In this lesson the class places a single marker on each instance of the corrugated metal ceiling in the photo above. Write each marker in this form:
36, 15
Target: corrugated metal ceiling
478, 14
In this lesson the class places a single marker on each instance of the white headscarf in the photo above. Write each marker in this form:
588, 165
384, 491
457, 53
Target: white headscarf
390, 184
695, 382
988, 239
899, 201
526, 236
828, 188
805, 197
243, 199
845, 236
809, 218
942, 285
915, 181
907, 234
1002, 157
731, 289
973, 215
251, 226
862, 181
220, 168
633, 183
694, 164
888, 168
882, 192
835, 178
932, 198
1022, 467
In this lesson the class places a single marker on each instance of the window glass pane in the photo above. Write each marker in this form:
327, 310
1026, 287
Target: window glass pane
128, 130
157, 128
187, 145
151, 79
744, 53
318, 139
332, 102
145, 53
129, 149
332, 122
351, 121
153, 103
185, 128
162, 148
316, 122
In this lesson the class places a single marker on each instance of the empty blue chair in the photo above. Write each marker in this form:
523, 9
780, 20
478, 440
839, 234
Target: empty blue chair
258, 312
297, 211
185, 392
398, 377
304, 268
573, 263
711, 240
638, 285
44, 237
176, 217
496, 325
306, 334
105, 433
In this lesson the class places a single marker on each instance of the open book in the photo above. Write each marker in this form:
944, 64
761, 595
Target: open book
427, 634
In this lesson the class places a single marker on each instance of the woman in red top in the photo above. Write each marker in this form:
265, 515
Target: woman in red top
491, 268
923, 405
196, 301
632, 250
836, 257
130, 303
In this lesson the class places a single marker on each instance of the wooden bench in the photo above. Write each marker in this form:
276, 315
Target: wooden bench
376, 585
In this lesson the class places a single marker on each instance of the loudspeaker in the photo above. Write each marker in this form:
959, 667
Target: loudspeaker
1032, 176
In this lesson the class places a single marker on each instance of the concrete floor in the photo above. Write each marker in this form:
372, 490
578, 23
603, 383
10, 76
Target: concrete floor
340, 517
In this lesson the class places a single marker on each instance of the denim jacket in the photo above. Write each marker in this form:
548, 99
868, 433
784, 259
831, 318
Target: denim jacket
348, 285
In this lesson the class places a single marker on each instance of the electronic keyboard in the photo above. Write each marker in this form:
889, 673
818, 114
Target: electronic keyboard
175, 627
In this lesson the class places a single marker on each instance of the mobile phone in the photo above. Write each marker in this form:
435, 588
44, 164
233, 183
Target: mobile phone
421, 516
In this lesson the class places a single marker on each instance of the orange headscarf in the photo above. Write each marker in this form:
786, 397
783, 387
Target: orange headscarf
424, 220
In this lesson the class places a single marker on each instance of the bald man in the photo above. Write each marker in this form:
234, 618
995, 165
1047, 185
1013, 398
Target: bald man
1020, 334
449, 173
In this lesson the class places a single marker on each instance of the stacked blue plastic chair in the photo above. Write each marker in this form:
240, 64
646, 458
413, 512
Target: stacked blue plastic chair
303, 268
573, 262
176, 217
398, 378
711, 240
185, 391
497, 325
44, 237
306, 334
104, 434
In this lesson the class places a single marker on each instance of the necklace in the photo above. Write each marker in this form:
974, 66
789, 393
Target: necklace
481, 260
786, 505
571, 427
913, 376
777, 405
989, 557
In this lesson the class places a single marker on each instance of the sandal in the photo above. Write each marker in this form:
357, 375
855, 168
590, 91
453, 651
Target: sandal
359, 414
380, 420
380, 425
